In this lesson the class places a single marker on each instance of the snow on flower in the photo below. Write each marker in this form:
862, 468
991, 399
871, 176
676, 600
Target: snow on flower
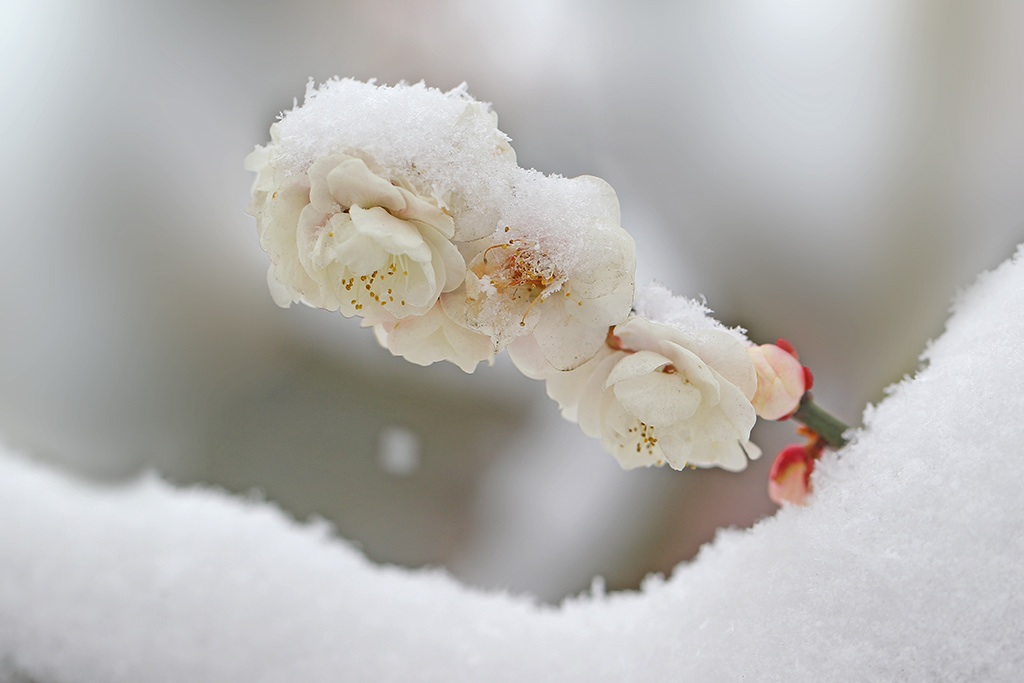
341, 237
366, 198
658, 394
562, 274
781, 380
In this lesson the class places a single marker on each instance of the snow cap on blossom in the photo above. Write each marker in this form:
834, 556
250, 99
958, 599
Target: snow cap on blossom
363, 191
405, 206
342, 237
781, 380
445, 146
561, 271
663, 393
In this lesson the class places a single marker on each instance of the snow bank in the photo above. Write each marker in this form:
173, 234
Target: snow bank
907, 565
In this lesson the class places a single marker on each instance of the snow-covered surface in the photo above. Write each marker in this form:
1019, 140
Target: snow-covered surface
905, 566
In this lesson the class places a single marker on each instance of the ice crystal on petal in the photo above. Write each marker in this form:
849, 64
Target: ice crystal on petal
561, 280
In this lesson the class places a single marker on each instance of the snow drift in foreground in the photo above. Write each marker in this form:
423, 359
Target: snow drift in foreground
907, 565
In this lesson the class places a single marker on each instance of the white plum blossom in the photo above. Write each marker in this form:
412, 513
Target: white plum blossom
522, 282
342, 237
657, 394
433, 337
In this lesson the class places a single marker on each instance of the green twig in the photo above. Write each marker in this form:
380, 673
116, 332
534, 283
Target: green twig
823, 423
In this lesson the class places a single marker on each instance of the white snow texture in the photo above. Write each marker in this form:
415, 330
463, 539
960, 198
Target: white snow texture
907, 565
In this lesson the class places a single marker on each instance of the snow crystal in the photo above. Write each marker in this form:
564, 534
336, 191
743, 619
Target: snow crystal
446, 145
906, 565
657, 303
449, 147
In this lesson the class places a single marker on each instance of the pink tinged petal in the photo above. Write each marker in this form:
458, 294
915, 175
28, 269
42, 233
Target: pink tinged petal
781, 381
351, 184
654, 397
790, 478
787, 347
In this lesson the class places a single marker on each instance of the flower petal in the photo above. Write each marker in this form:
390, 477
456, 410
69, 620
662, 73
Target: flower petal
652, 396
790, 478
351, 183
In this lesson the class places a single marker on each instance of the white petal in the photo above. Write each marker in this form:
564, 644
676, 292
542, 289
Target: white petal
572, 387
636, 365
658, 399
677, 444
353, 249
421, 211
350, 183
447, 259
391, 234
693, 367
433, 337
281, 295
565, 342
526, 355
595, 402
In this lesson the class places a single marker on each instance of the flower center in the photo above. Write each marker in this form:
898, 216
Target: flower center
525, 274
643, 435
381, 286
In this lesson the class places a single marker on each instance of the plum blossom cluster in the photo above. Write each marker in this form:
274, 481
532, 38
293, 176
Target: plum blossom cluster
405, 207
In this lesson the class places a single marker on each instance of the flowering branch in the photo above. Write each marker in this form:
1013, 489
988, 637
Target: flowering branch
405, 207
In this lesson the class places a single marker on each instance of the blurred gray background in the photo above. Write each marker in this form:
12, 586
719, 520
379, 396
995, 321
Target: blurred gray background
830, 172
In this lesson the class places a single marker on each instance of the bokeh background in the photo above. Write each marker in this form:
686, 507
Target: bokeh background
831, 172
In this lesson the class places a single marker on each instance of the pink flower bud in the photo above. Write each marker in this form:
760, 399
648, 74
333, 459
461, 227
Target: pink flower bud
781, 380
790, 478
